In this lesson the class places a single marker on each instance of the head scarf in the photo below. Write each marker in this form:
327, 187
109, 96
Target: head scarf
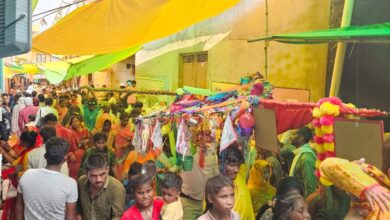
21, 101
276, 168
28, 101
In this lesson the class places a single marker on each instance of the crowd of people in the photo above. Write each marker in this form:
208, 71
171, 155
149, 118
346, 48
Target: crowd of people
69, 155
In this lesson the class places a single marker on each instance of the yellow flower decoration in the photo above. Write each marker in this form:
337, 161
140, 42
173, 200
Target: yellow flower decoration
327, 129
329, 146
350, 105
325, 182
320, 148
353, 117
318, 131
318, 164
328, 108
317, 113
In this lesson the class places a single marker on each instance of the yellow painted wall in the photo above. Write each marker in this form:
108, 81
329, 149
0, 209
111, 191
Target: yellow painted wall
164, 67
292, 66
84, 80
299, 66
120, 74
102, 78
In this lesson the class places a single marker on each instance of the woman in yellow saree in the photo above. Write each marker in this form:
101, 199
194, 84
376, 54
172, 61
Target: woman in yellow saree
105, 115
258, 184
111, 133
233, 166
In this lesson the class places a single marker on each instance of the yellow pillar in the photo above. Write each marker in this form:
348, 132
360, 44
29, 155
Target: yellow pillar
340, 52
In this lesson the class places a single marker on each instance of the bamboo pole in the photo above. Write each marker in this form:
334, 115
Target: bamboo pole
266, 42
340, 52
143, 92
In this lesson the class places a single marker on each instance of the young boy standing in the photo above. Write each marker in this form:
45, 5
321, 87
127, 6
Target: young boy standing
171, 189
100, 140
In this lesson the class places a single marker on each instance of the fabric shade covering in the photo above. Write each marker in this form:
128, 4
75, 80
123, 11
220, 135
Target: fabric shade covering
24, 68
108, 26
55, 72
34, 4
374, 33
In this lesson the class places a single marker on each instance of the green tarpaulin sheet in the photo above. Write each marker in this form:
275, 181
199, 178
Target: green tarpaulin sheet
56, 72
34, 4
374, 33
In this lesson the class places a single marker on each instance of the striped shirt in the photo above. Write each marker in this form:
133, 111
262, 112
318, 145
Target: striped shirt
45, 194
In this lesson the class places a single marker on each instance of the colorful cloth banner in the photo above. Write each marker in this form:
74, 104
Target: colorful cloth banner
228, 134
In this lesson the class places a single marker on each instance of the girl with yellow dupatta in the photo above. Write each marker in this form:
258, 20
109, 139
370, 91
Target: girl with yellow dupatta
105, 115
122, 141
233, 167
258, 184
368, 185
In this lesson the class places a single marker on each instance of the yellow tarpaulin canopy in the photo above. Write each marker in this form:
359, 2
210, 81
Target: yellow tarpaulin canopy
24, 68
108, 26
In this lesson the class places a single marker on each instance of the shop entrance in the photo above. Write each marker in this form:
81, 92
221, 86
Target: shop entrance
193, 70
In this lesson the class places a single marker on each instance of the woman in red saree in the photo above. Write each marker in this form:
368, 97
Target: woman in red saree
18, 157
81, 135
122, 140
18, 154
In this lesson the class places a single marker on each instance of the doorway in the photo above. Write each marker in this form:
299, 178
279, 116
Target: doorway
193, 70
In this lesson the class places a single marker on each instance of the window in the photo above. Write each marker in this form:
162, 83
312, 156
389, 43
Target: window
54, 59
41, 58
202, 58
188, 58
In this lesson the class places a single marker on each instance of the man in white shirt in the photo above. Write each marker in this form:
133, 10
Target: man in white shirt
43, 111
46, 193
36, 157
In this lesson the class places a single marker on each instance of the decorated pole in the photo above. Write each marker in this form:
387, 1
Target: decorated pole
340, 53
131, 91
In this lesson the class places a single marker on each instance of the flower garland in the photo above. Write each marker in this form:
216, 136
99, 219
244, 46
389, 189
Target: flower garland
325, 112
